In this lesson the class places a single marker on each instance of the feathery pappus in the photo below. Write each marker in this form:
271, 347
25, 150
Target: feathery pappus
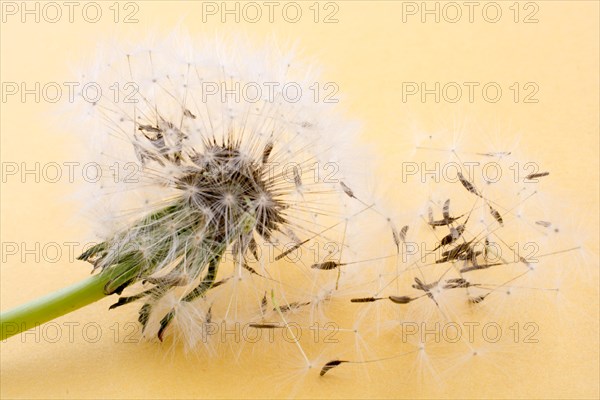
235, 152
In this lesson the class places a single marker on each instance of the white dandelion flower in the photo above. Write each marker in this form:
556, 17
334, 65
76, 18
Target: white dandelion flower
224, 165
231, 145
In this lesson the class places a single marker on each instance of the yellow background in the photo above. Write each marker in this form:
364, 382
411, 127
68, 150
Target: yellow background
369, 53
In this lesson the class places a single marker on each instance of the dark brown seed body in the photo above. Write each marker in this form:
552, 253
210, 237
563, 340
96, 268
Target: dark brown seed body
496, 215
266, 325
365, 300
327, 265
468, 185
330, 365
401, 299
537, 175
347, 190
403, 233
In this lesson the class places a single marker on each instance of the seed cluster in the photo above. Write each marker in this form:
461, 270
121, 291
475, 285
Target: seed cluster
224, 178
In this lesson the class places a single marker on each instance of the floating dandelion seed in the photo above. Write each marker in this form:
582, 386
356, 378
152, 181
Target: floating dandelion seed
330, 365
496, 215
468, 185
537, 175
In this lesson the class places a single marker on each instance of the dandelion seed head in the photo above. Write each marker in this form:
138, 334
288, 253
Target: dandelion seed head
213, 172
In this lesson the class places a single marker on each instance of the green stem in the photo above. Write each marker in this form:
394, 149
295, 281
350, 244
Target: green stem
54, 305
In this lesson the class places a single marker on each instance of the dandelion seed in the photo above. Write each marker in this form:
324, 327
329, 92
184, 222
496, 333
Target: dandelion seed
422, 286
297, 179
291, 250
253, 247
151, 129
496, 215
347, 190
188, 114
454, 235
126, 300
455, 253
444, 222
468, 185
476, 267
164, 323
430, 216
365, 299
327, 265
477, 299
267, 152
208, 317
330, 365
447, 219
144, 315
250, 269
403, 233
263, 303
334, 363
425, 288
524, 261
270, 325
496, 154
446, 210
292, 306
457, 283
401, 299
537, 175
